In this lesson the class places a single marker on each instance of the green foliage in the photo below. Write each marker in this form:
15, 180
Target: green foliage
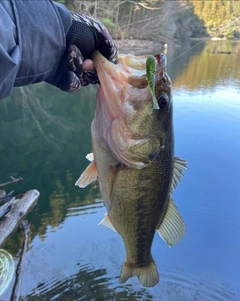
162, 20
220, 17
107, 22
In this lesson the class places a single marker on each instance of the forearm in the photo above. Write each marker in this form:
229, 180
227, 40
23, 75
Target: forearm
32, 43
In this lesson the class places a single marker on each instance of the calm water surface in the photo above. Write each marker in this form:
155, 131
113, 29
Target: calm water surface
45, 136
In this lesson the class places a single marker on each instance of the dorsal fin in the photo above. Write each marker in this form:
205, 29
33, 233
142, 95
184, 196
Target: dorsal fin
178, 166
172, 228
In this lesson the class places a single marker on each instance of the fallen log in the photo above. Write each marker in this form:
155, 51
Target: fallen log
16, 292
222, 52
18, 210
2, 193
14, 180
4, 199
4, 209
10, 195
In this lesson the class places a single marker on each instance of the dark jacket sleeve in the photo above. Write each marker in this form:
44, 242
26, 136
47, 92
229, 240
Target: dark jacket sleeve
32, 41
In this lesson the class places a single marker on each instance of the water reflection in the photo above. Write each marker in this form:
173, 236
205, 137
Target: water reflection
45, 136
90, 284
201, 69
87, 269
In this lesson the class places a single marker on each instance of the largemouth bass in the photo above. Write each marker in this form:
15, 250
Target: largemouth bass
133, 158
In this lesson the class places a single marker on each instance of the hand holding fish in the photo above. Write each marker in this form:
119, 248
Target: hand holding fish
47, 42
85, 35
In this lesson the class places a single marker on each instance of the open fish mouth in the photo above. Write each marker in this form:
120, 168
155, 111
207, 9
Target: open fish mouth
128, 65
115, 80
123, 96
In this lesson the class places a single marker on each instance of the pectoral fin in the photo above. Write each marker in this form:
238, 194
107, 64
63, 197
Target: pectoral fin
90, 157
106, 222
178, 166
89, 175
172, 228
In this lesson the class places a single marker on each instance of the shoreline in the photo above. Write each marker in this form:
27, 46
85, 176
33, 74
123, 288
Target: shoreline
147, 44
137, 44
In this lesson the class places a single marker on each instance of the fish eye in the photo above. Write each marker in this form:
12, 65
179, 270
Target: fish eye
163, 101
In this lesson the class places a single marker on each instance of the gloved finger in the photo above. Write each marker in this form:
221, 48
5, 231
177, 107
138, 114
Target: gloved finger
103, 41
108, 48
89, 77
74, 61
69, 82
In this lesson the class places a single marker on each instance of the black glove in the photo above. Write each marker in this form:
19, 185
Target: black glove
84, 36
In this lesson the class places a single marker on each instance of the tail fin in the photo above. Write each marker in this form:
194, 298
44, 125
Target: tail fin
147, 275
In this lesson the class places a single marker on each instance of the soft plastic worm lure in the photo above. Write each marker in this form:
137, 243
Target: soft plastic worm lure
150, 73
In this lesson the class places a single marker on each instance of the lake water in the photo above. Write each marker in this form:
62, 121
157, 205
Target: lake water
45, 136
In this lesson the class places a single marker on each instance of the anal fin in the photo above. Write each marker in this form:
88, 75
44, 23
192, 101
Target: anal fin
89, 175
172, 229
106, 222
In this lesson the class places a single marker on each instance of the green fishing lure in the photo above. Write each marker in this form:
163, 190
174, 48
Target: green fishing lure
151, 65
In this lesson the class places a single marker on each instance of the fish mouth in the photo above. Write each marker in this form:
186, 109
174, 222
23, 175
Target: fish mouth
115, 78
128, 65
124, 103
112, 77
